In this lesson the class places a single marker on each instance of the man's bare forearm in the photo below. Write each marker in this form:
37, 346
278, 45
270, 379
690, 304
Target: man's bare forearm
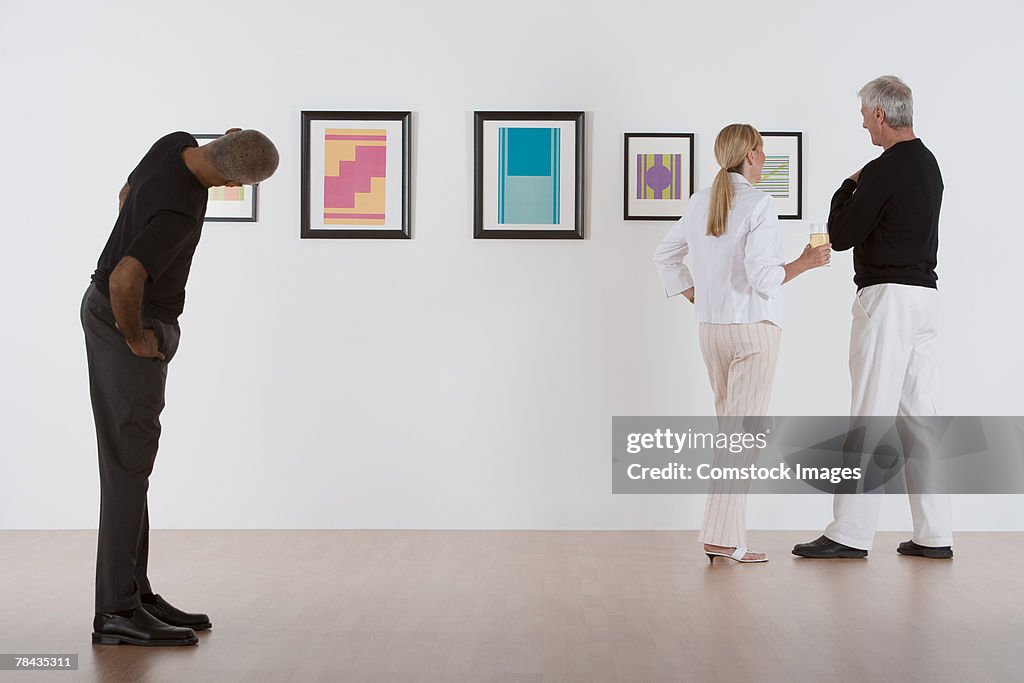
122, 196
127, 283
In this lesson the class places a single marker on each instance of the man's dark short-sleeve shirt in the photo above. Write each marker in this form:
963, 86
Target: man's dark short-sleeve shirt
160, 225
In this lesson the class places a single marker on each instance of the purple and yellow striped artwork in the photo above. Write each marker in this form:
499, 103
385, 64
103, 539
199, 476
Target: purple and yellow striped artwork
775, 178
659, 176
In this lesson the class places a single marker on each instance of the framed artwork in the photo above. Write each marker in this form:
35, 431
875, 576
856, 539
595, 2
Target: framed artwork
782, 176
658, 176
355, 174
528, 175
229, 204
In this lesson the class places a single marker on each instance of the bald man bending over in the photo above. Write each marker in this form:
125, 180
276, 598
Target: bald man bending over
130, 317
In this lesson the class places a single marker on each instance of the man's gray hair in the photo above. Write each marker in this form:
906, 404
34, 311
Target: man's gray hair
893, 96
245, 156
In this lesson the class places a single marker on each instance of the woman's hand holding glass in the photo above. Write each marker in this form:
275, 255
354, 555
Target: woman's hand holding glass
818, 252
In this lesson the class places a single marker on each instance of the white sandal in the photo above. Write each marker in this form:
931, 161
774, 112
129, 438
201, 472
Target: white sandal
737, 556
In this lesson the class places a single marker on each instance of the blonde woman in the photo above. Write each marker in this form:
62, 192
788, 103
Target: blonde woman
731, 234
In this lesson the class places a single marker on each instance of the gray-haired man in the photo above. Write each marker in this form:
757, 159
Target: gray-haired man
888, 212
130, 317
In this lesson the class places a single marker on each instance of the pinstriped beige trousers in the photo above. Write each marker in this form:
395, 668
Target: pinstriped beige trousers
741, 362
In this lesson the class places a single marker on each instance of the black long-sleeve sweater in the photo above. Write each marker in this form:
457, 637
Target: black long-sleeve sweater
890, 217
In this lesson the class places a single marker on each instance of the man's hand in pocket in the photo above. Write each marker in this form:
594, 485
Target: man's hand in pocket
148, 346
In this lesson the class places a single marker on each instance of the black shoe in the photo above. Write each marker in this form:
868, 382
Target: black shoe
142, 628
941, 552
824, 548
169, 614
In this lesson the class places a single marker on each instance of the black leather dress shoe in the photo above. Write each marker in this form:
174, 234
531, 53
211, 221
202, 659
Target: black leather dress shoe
142, 628
941, 552
824, 548
169, 614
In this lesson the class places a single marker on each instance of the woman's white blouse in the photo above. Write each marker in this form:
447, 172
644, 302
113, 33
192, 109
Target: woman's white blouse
737, 277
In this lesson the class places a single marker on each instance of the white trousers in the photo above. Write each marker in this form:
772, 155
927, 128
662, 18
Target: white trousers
741, 362
894, 372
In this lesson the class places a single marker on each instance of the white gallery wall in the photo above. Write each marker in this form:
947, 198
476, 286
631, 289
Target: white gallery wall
447, 382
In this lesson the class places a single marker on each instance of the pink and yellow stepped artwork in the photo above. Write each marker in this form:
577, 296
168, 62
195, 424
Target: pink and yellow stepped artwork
354, 176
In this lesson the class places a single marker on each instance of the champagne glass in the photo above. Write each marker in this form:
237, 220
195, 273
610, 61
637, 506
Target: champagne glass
819, 236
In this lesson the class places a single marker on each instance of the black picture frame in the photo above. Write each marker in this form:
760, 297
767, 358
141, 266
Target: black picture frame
628, 178
251, 204
481, 227
792, 209
310, 231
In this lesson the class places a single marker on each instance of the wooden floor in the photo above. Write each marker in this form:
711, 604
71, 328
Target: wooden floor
528, 606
